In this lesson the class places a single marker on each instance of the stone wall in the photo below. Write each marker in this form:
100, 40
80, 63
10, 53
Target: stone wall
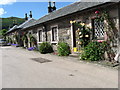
64, 26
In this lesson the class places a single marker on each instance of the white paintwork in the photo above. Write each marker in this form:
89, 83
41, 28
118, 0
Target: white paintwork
57, 34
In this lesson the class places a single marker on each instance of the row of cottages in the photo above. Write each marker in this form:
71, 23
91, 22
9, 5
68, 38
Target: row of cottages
55, 26
15, 34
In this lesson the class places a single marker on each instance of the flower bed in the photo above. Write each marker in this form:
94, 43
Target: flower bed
31, 48
15, 45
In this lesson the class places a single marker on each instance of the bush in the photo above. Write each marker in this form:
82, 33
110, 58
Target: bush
45, 48
63, 49
94, 51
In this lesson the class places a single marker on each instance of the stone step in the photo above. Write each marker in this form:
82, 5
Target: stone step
74, 55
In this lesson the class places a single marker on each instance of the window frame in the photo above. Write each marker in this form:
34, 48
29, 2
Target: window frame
39, 35
93, 32
56, 41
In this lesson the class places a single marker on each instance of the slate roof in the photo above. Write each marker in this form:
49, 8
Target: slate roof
13, 28
26, 23
21, 26
70, 9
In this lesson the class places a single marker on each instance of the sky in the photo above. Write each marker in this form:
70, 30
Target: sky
18, 9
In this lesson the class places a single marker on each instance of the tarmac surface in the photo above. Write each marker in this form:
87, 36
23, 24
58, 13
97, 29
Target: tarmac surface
28, 69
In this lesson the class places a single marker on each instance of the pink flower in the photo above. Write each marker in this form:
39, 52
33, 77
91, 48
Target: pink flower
100, 41
96, 12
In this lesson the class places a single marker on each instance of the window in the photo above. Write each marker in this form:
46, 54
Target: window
54, 34
40, 35
98, 29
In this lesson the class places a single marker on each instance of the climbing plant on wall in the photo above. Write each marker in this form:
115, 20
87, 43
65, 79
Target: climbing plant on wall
111, 31
82, 34
16, 38
25, 39
33, 40
110, 27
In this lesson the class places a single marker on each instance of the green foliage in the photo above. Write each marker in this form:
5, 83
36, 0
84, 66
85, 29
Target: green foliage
16, 37
9, 40
9, 22
24, 38
63, 49
94, 51
3, 32
45, 47
83, 34
32, 39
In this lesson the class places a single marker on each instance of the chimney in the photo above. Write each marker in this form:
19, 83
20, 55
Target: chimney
54, 7
26, 18
49, 7
30, 14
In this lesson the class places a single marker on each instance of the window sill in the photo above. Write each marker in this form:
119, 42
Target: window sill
54, 42
40, 42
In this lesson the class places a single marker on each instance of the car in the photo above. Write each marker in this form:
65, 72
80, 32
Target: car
3, 42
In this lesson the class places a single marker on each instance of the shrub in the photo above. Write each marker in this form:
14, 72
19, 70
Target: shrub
63, 49
94, 51
45, 47
83, 34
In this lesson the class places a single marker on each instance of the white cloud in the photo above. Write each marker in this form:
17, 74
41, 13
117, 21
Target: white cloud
2, 11
4, 2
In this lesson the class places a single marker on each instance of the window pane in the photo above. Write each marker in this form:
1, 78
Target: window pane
54, 34
40, 36
99, 29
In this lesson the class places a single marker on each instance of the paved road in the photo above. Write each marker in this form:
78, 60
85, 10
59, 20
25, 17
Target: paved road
19, 71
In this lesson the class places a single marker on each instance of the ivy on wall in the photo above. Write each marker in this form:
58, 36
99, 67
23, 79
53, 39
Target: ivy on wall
110, 27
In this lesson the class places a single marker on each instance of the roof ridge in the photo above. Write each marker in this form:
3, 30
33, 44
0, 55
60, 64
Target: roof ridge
26, 22
58, 10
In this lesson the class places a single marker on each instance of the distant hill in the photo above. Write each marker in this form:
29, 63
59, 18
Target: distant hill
10, 21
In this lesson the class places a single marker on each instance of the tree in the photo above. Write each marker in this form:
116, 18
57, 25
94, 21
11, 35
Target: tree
3, 32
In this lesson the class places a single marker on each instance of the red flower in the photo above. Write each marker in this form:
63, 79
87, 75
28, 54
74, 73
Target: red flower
96, 12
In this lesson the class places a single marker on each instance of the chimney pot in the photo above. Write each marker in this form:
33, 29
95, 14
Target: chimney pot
26, 18
53, 4
30, 14
54, 7
49, 7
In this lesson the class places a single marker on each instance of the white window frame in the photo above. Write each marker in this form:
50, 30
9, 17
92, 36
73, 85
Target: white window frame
52, 34
39, 37
100, 37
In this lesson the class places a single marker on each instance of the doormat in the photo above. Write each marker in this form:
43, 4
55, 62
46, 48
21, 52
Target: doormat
41, 60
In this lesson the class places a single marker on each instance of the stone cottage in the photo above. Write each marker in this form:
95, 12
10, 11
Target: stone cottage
55, 26
17, 30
